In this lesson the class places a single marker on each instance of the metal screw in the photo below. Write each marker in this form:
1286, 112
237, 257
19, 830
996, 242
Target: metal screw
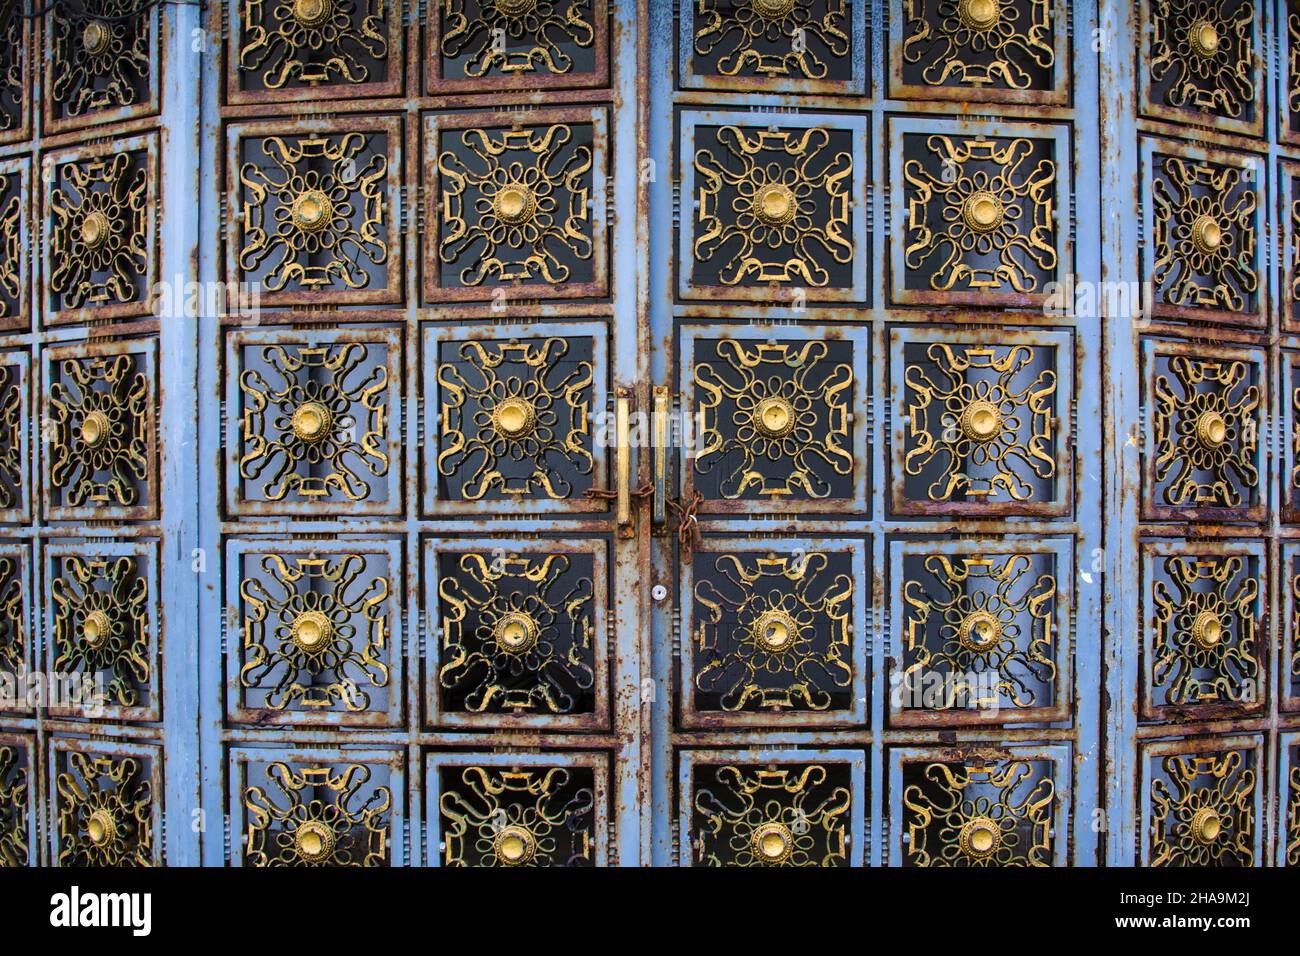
658, 592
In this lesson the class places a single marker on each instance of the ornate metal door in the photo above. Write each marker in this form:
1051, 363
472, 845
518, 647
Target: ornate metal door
697, 432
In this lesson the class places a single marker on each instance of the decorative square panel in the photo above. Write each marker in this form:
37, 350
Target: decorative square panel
102, 625
314, 632
517, 633
1006, 51
16, 637
1288, 229
981, 428
1288, 584
780, 416
313, 49
99, 223
309, 807
18, 786
15, 74
15, 450
511, 421
15, 245
982, 631
773, 212
1200, 802
313, 422
482, 46
516, 809
101, 62
107, 803
778, 633
976, 807
99, 433
1204, 233
516, 205
982, 212
1201, 62
1287, 29
1202, 454
1288, 776
314, 210
772, 807
1205, 637
1288, 424
776, 46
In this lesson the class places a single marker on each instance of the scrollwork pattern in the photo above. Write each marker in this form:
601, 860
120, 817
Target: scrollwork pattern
295, 43
1203, 811
13, 806
1203, 54
100, 55
981, 44
13, 70
12, 253
13, 617
318, 815
542, 37
12, 425
104, 811
755, 37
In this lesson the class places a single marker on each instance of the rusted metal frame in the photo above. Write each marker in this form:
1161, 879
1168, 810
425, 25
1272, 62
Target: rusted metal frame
20, 323
522, 529
1281, 795
19, 137
864, 738
995, 99
1289, 607
117, 748
475, 741
1059, 756
512, 313
1288, 308
25, 745
17, 366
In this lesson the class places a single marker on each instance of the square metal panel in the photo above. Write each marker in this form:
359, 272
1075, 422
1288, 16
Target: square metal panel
772, 807
99, 443
516, 809
798, 47
309, 806
16, 95
1288, 589
313, 421
981, 212
1203, 447
99, 215
780, 415
516, 633
514, 418
776, 633
980, 806
981, 422
773, 212
15, 242
478, 46
1288, 800
17, 639
981, 631
1203, 64
103, 628
1205, 645
333, 51
1288, 440
314, 632
1008, 51
1288, 230
313, 211
1286, 26
1200, 802
1204, 233
15, 450
516, 205
19, 786
106, 803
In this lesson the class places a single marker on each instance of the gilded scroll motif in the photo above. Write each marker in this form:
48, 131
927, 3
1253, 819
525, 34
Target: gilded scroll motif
317, 815
980, 44
1203, 55
104, 811
516, 38
100, 56
290, 44
755, 38
1203, 811
13, 806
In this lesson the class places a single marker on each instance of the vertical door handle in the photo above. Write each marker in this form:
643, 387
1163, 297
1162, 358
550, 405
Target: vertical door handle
662, 410
623, 463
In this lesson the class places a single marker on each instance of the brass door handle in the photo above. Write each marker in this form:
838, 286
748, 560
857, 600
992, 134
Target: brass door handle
662, 409
623, 462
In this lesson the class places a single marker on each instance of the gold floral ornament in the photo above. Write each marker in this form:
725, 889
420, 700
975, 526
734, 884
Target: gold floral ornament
774, 633
518, 634
981, 422
986, 624
13, 616
99, 212
295, 43
1203, 811
774, 207
104, 811
315, 212
100, 55
315, 422
515, 419
1204, 646
981, 214
1204, 235
1203, 56
515, 38
13, 424
12, 253
1206, 437
100, 416
316, 632
757, 38
13, 807
772, 816
997, 813
775, 419
317, 816
1293, 818
516, 205
13, 70
1293, 74
518, 817
102, 613
980, 44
